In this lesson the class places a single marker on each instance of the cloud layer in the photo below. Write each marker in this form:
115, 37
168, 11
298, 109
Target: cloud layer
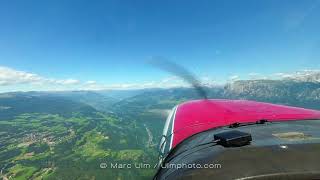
9, 76
305, 75
15, 80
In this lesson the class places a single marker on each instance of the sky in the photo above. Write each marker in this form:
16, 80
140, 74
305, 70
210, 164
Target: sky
96, 44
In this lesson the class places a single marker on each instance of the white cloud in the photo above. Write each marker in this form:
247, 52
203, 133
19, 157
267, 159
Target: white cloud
90, 82
282, 75
15, 80
170, 79
67, 82
234, 77
255, 76
304, 75
10, 76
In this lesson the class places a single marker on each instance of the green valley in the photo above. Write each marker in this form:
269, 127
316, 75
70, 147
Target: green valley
102, 135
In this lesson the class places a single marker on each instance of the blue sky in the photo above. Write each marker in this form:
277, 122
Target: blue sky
107, 43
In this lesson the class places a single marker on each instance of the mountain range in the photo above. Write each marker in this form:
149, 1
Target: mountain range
55, 135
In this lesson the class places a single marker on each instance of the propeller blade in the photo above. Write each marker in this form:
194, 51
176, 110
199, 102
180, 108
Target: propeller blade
181, 72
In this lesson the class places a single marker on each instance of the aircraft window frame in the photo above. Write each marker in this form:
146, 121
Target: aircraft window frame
167, 135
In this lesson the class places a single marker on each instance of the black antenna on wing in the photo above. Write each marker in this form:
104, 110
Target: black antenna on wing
181, 72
